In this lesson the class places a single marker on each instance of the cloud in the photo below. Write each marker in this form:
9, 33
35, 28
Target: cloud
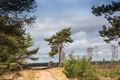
84, 33
84, 27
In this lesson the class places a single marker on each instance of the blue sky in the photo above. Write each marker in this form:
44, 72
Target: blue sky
54, 15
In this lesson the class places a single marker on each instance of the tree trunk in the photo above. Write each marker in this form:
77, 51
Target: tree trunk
60, 52
59, 59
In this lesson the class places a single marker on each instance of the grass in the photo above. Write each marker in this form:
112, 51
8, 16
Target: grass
108, 71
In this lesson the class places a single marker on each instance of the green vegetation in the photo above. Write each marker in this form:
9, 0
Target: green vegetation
57, 42
79, 68
111, 32
83, 69
14, 41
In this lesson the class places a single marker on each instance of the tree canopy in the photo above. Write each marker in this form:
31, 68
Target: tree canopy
19, 6
14, 41
112, 14
58, 40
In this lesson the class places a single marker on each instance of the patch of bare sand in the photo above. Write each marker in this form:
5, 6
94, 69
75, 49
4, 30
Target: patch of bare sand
38, 74
45, 75
58, 73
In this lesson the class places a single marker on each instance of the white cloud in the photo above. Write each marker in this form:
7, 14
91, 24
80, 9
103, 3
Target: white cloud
84, 27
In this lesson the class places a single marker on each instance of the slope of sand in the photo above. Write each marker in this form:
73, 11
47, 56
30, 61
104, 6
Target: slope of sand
38, 74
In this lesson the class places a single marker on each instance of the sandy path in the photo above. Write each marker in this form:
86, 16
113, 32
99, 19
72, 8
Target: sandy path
36, 75
44, 75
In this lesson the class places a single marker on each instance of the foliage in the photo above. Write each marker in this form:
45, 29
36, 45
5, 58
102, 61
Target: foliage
70, 67
19, 6
111, 13
14, 41
58, 40
80, 69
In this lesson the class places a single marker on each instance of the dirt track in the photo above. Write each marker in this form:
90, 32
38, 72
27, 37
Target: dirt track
45, 75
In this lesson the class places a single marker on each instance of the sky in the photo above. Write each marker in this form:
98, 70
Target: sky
54, 15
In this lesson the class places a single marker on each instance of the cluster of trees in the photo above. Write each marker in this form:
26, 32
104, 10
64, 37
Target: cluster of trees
14, 41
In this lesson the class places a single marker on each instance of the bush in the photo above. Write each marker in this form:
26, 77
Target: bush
80, 69
70, 67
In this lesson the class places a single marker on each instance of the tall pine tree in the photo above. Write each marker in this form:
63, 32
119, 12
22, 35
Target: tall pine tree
14, 41
57, 42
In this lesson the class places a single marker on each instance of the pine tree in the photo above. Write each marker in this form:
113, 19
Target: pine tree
14, 41
112, 14
57, 42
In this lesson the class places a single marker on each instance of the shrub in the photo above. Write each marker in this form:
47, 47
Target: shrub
79, 68
70, 67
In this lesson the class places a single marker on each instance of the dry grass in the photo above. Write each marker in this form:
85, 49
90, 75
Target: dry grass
103, 68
